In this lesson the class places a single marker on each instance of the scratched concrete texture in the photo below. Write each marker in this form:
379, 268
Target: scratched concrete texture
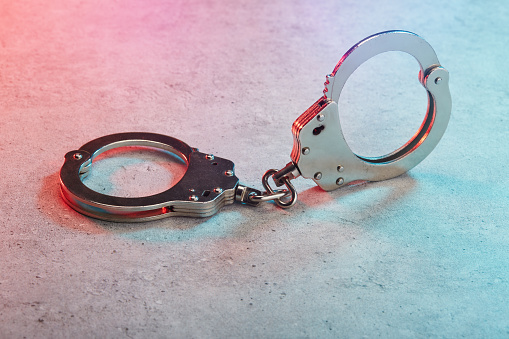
421, 255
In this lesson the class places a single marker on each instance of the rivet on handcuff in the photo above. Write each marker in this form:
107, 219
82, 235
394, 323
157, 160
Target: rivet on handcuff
320, 151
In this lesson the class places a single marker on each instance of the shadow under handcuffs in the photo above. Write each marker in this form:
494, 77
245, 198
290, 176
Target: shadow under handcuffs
350, 204
358, 202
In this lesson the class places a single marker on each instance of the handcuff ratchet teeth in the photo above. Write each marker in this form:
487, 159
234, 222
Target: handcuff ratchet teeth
320, 151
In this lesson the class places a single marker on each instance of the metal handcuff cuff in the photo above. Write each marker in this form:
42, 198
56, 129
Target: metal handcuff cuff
320, 151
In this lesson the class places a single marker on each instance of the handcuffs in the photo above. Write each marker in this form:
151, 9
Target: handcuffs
320, 151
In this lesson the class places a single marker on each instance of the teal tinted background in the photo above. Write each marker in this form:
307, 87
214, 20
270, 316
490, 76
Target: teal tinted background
422, 255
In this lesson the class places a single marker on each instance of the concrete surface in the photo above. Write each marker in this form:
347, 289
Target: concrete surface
422, 255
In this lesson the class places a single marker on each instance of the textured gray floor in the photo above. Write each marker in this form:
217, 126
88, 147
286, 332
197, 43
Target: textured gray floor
422, 255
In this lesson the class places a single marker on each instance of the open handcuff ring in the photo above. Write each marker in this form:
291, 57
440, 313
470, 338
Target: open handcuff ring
320, 151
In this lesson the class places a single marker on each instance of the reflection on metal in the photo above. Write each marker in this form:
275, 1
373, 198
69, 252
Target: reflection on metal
320, 151
208, 184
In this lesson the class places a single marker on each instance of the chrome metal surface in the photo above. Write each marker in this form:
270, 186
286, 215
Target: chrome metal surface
269, 197
243, 194
203, 176
253, 197
289, 172
319, 144
292, 193
319, 147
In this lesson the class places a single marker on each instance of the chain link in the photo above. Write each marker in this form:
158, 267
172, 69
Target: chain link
264, 197
291, 192
284, 198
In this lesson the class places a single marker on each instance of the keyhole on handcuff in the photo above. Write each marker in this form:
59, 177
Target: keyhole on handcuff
318, 130
382, 104
134, 172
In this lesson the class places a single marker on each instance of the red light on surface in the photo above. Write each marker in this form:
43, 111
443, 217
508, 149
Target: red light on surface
168, 209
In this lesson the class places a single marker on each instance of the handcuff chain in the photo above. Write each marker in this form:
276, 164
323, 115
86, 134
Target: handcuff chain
291, 192
266, 196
